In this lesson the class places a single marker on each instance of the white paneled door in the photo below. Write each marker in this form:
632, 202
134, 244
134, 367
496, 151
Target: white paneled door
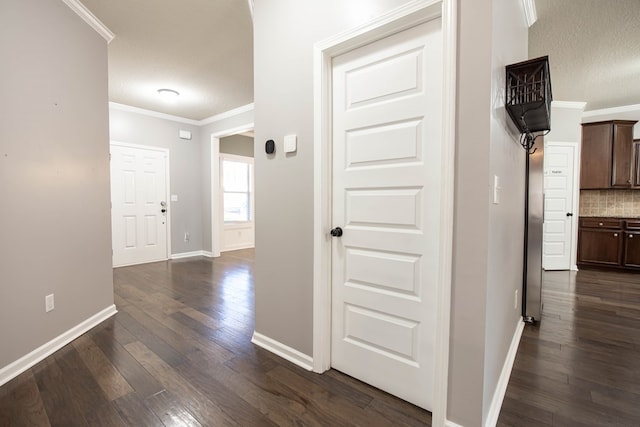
138, 205
387, 125
558, 206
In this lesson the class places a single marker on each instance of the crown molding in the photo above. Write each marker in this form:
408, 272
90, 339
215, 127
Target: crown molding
613, 110
88, 17
137, 110
227, 114
570, 105
530, 11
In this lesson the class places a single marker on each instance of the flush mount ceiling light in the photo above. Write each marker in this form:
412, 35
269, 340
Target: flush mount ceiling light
168, 94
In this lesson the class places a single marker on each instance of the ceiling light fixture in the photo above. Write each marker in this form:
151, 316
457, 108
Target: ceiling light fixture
168, 94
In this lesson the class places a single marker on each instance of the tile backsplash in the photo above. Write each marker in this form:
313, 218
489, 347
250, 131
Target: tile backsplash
612, 203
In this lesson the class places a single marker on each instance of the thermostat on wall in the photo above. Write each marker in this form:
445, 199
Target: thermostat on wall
270, 146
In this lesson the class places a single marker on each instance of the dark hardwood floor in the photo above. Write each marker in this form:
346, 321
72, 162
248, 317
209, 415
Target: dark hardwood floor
581, 365
179, 353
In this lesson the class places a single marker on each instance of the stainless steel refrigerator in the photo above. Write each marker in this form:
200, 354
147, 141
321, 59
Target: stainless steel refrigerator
534, 217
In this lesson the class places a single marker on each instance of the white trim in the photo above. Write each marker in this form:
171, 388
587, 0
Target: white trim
284, 351
167, 154
250, 8
448, 423
216, 193
88, 17
613, 110
503, 381
399, 19
231, 113
225, 115
188, 254
208, 254
530, 11
131, 109
14, 369
568, 105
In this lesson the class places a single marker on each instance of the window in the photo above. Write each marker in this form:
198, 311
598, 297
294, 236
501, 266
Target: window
237, 187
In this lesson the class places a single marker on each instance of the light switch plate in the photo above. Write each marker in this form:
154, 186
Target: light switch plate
496, 190
290, 143
174, 197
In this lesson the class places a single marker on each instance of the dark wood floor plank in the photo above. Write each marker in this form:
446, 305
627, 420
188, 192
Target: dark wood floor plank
106, 375
199, 405
21, 403
134, 411
140, 380
57, 397
171, 412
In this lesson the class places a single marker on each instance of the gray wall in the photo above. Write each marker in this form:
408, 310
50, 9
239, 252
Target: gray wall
239, 145
506, 227
284, 34
185, 169
54, 174
487, 238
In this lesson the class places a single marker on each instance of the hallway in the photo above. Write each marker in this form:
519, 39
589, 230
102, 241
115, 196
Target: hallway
179, 353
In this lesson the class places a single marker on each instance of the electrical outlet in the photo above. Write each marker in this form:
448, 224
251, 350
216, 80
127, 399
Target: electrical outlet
187, 237
49, 303
515, 300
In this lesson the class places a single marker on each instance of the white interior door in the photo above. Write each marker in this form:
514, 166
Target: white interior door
387, 101
559, 163
138, 205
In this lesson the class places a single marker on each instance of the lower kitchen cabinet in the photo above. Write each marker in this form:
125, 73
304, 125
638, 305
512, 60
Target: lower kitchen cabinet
631, 250
609, 242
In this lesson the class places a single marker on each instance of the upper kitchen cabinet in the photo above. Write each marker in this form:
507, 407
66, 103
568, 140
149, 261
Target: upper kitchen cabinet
608, 156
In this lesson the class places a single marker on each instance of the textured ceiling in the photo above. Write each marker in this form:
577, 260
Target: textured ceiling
200, 48
593, 48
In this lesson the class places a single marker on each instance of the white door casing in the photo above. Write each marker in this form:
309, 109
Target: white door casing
139, 187
559, 208
387, 137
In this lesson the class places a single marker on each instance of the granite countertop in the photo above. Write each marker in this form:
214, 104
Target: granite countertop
611, 216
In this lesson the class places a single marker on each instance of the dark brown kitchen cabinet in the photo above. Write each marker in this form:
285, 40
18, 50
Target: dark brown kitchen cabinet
632, 243
631, 249
609, 242
608, 155
636, 158
600, 242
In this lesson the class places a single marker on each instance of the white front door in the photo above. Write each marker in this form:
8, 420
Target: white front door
138, 205
558, 206
387, 142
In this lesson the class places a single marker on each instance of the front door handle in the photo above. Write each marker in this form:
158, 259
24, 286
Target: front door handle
336, 232
569, 214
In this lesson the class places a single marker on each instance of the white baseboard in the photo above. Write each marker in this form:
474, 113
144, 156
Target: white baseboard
238, 247
503, 381
189, 254
284, 351
208, 254
14, 369
448, 423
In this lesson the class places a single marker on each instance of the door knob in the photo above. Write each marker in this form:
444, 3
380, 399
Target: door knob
336, 232
569, 214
